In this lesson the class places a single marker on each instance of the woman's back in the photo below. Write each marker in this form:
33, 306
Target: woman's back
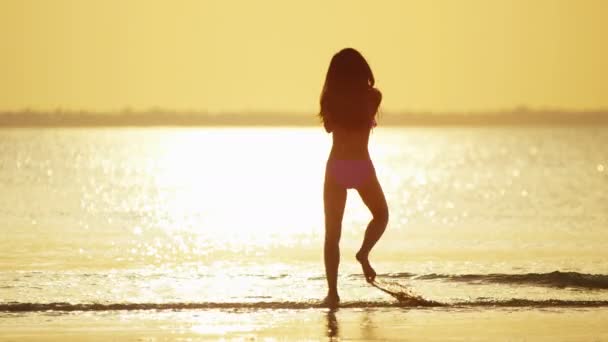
351, 137
350, 144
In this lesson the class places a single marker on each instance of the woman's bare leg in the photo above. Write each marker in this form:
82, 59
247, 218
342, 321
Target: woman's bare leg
334, 200
372, 195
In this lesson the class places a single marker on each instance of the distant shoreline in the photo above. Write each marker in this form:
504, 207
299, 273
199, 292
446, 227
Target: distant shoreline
167, 118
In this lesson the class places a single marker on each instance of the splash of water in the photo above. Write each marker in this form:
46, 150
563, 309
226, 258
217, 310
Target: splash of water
404, 294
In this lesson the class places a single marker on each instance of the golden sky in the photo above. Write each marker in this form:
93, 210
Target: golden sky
272, 55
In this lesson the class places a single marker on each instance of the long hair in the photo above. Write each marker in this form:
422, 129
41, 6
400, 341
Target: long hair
349, 98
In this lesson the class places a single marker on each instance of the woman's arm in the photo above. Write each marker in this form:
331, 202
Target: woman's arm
375, 99
374, 103
327, 124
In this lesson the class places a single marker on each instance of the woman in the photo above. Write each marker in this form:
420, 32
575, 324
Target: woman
349, 103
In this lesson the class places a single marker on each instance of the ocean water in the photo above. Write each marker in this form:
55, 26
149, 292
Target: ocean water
102, 219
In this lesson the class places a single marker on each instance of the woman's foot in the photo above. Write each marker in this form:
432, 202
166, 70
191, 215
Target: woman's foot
331, 301
368, 271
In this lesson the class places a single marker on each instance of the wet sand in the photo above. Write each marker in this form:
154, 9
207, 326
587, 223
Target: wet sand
434, 324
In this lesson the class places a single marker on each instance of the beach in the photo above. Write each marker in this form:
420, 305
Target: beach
495, 233
462, 324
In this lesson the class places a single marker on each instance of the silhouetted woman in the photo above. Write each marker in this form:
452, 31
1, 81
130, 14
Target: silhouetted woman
349, 103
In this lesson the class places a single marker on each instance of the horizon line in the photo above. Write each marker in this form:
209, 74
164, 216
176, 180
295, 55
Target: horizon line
521, 117
164, 110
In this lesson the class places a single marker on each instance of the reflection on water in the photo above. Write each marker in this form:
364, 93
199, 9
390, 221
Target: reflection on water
333, 328
234, 214
366, 326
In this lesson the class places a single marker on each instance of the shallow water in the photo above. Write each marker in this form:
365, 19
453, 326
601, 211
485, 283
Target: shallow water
155, 218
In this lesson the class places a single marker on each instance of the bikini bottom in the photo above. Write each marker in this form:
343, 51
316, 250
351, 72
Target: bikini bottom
350, 173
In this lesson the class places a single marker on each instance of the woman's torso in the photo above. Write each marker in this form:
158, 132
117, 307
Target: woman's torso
350, 133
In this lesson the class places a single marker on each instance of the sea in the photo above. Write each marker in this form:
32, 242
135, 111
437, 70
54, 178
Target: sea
153, 219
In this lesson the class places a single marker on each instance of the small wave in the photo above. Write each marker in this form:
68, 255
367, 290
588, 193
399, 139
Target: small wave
553, 279
546, 303
514, 302
399, 275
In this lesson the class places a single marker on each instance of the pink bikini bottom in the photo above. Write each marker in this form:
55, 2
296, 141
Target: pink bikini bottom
350, 173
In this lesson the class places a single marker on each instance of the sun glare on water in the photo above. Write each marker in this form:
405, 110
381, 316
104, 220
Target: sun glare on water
239, 186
